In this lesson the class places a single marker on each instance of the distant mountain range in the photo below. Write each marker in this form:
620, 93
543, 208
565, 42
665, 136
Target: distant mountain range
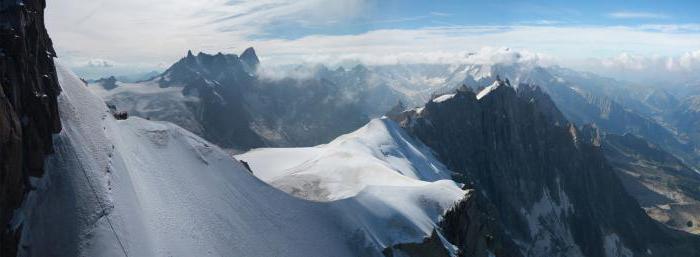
221, 98
233, 102
370, 91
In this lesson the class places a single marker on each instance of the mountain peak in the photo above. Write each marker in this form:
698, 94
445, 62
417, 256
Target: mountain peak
250, 58
543, 101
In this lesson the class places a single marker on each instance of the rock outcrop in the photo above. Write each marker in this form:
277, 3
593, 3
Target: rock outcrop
552, 188
474, 227
28, 108
218, 81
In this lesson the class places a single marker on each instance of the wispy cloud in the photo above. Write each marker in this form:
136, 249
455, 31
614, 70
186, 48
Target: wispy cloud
404, 19
637, 15
161, 31
442, 14
672, 28
541, 22
448, 44
158, 30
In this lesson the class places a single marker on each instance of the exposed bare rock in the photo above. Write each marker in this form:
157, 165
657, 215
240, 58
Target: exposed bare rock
473, 226
551, 186
28, 112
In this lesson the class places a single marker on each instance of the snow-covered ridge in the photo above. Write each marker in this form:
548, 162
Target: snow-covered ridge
399, 182
443, 98
488, 90
142, 188
147, 188
378, 154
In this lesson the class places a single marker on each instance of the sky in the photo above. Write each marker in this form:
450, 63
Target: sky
104, 37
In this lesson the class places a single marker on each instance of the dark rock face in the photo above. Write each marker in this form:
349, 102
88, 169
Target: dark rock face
218, 80
28, 107
551, 186
430, 247
611, 105
250, 58
474, 227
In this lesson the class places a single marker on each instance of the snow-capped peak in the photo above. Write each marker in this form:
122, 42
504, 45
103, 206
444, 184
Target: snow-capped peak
489, 89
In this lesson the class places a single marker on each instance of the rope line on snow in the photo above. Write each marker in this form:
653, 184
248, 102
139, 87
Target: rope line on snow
102, 206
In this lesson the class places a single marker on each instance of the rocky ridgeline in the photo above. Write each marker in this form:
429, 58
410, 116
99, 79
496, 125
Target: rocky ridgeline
225, 101
549, 184
28, 108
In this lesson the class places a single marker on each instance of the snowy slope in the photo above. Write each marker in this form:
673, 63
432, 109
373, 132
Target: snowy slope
148, 100
143, 188
487, 90
395, 179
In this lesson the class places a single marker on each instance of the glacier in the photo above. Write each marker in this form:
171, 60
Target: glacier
143, 188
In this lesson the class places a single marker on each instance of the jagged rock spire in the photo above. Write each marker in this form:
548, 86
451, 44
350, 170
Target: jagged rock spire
250, 58
464, 88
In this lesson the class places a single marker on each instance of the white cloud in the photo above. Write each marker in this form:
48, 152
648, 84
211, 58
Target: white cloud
542, 22
161, 31
446, 44
687, 62
650, 68
637, 15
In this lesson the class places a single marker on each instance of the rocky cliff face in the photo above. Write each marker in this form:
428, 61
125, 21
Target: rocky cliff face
218, 81
551, 186
28, 112
222, 98
473, 225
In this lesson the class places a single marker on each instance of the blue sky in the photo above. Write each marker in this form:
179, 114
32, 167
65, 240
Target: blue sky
105, 36
391, 14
